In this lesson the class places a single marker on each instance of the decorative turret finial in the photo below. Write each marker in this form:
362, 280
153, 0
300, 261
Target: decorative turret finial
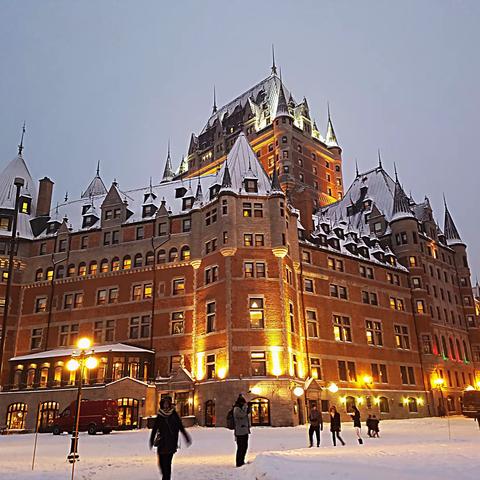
356, 168
395, 170
168, 172
66, 197
379, 160
20, 147
98, 168
274, 67
151, 188
214, 108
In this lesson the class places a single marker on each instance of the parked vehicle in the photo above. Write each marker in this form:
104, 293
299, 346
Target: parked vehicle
95, 416
471, 403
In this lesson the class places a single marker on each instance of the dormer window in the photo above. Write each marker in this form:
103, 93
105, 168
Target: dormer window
85, 209
5, 223
148, 210
88, 221
214, 191
367, 204
52, 227
187, 203
251, 185
25, 205
180, 192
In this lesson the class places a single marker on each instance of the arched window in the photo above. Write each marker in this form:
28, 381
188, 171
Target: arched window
173, 255
138, 260
459, 350
93, 268
17, 378
466, 352
260, 412
30, 377
412, 405
436, 346
349, 404
149, 258
43, 377
185, 253
47, 413
60, 271
49, 274
210, 419
82, 269
452, 350
57, 376
383, 405
444, 347
127, 262
16, 414
104, 266
39, 275
161, 256
71, 270
115, 264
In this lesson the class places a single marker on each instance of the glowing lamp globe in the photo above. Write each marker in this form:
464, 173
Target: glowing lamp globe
91, 362
84, 343
439, 381
72, 365
298, 391
256, 390
469, 388
367, 379
332, 388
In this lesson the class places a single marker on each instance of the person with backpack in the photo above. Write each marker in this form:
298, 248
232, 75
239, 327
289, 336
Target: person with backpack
164, 436
241, 418
335, 425
316, 424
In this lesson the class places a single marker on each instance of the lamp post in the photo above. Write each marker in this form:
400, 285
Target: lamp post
81, 360
438, 382
19, 182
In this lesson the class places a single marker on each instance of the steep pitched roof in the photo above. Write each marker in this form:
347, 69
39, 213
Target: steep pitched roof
401, 204
96, 187
15, 168
451, 233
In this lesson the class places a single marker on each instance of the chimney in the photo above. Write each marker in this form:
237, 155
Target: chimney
44, 201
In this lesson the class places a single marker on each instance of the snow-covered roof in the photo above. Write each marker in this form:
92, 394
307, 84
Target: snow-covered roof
96, 187
67, 352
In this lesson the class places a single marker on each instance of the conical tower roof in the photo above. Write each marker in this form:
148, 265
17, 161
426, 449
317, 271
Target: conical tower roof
16, 168
227, 179
96, 187
451, 233
168, 172
282, 106
401, 204
330, 137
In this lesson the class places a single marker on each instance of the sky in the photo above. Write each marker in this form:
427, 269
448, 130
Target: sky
113, 81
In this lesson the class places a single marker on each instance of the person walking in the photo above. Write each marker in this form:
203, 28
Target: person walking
357, 424
369, 425
316, 424
241, 415
375, 426
164, 436
335, 425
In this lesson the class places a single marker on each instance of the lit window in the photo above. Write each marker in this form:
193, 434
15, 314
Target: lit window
256, 309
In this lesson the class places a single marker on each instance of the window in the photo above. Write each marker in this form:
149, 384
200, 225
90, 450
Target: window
211, 246
39, 275
259, 240
402, 339
259, 363
397, 304
412, 405
211, 275
393, 278
41, 304
366, 272
412, 261
420, 305
107, 238
127, 262
173, 255
312, 324
369, 298
178, 323
373, 329
36, 338
427, 344
102, 297
210, 366
379, 373
347, 371
185, 253
416, 282
178, 287
4, 223
224, 206
139, 233
315, 368
67, 301
211, 314
247, 209
115, 264
186, 225
251, 185
140, 327
342, 328
93, 268
306, 257
43, 248
335, 264
289, 275
104, 265
407, 374
256, 312
291, 316
254, 269
62, 245
48, 274
68, 334
78, 300
308, 285
211, 217
113, 295
258, 210
338, 291
248, 239
163, 229
71, 270
104, 331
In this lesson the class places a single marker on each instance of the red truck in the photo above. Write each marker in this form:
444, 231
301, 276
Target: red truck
95, 416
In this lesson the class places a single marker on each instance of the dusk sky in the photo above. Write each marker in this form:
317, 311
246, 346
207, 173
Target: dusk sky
114, 80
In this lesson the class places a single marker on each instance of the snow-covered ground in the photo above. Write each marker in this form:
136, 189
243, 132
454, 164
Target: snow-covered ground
407, 449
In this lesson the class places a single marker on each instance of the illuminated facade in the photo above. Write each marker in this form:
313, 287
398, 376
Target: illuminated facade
247, 271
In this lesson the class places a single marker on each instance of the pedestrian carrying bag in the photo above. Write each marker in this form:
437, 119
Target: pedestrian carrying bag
230, 420
157, 439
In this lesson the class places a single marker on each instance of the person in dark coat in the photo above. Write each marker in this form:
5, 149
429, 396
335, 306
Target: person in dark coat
357, 424
316, 424
375, 426
369, 425
241, 415
164, 436
335, 425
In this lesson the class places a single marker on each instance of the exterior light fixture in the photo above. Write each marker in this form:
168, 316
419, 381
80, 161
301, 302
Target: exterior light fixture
367, 379
84, 343
298, 391
333, 388
256, 390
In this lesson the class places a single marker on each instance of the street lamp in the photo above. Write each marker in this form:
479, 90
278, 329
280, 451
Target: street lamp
19, 182
81, 360
333, 388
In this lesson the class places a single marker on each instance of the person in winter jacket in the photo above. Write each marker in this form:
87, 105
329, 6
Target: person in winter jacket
164, 436
241, 415
335, 425
316, 424
375, 426
357, 424
369, 425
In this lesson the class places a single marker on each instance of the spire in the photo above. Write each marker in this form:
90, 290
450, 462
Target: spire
395, 170
276, 181
214, 108
20, 147
451, 232
282, 106
98, 168
274, 67
227, 179
199, 194
330, 138
356, 168
401, 204
96, 187
183, 166
379, 160
168, 173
